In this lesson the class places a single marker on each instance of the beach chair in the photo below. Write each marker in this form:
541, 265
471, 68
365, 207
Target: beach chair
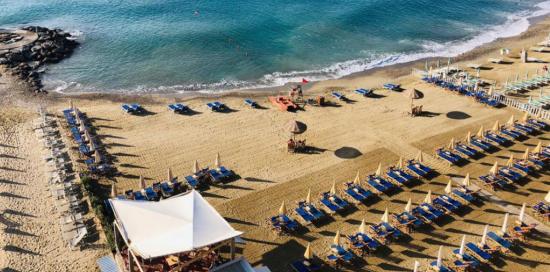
304, 214
216, 106
305, 265
363, 243
392, 87
357, 192
465, 150
338, 95
522, 166
226, 173
394, 175
364, 92
405, 221
448, 156
181, 108
137, 108
166, 190
483, 255
126, 108
333, 202
504, 244
466, 261
442, 268
418, 168
483, 145
464, 193
192, 181
138, 195
215, 176
376, 185
309, 207
509, 174
538, 123
150, 194
251, 103
284, 223
510, 133
496, 138
341, 253
542, 210
431, 209
525, 129
173, 108
447, 203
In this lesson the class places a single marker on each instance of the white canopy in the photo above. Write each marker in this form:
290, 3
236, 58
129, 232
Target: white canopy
178, 224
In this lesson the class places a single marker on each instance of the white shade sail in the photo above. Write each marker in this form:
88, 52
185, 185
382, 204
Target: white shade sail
178, 224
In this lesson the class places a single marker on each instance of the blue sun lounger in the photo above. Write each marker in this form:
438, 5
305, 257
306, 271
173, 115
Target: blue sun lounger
448, 156
227, 173
388, 185
285, 223
470, 260
358, 193
335, 205
193, 182
126, 108
526, 129
406, 218
537, 123
150, 193
447, 203
341, 253
137, 108
377, 186
426, 216
305, 215
436, 212
466, 150
465, 196
139, 196
338, 95
304, 266
418, 168
510, 174
363, 92
442, 268
494, 182
523, 168
395, 233
251, 103
483, 145
166, 190
496, 138
499, 240
178, 108
372, 244
215, 175
392, 87
482, 254
510, 133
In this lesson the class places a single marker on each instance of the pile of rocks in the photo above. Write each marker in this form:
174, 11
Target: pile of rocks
51, 46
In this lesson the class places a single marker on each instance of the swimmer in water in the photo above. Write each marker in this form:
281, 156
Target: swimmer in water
196, 13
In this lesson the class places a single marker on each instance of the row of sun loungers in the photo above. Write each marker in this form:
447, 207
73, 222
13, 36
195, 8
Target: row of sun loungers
155, 192
480, 96
181, 108
215, 175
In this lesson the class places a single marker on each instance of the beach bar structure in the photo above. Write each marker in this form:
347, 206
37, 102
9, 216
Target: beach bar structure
176, 232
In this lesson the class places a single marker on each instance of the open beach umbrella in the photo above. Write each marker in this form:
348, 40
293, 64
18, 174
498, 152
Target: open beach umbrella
521, 215
484, 235
466, 181
416, 266
142, 182
113, 190
308, 197
196, 167
400, 163
357, 179
419, 157
97, 156
452, 144
336, 240
449, 187
308, 254
363, 227
428, 198
538, 148
218, 162
408, 206
526, 154
469, 137
505, 224
511, 121
170, 176
480, 133
333, 188
496, 126
494, 169
510, 161
379, 170
386, 217
282, 209
525, 117
547, 197
462, 246
439, 261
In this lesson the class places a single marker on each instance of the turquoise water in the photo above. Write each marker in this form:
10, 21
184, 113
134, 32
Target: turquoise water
183, 45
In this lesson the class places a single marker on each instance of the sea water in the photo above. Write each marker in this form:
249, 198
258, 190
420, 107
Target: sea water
216, 45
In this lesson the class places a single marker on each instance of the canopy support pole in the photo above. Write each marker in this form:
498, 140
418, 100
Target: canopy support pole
232, 250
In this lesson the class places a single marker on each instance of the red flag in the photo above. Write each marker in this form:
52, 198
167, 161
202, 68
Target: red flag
304, 81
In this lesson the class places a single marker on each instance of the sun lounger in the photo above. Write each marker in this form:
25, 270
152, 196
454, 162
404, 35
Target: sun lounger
424, 215
493, 182
126, 108
166, 190
376, 185
538, 123
358, 193
448, 156
496, 138
483, 145
150, 193
541, 209
464, 195
523, 128
363, 92
333, 202
178, 108
466, 150
305, 266
284, 223
384, 231
192, 181
431, 209
138, 195
316, 213
305, 215
504, 244
392, 87
448, 204
251, 103
342, 253
523, 167
467, 260
509, 174
407, 220
338, 96
366, 241
482, 254
442, 268
215, 176
510, 133
394, 175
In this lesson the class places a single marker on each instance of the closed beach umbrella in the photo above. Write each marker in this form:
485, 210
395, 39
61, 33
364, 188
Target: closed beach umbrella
484, 236
357, 179
333, 188
142, 182
400, 163
196, 167
526, 154
170, 176
505, 224
496, 126
438, 63
336, 240
469, 137
510, 161
408, 206
97, 157
282, 209
466, 180
308, 254
426, 66
363, 227
439, 254
92, 146
462, 246
526, 74
82, 127
385, 218
71, 105
494, 169
419, 157
521, 215
218, 162
308, 197
113, 190
379, 170
77, 116
480, 133
525, 117
452, 144
490, 93
547, 197
517, 77
416, 266
510, 121
538, 148
506, 84
428, 198
449, 187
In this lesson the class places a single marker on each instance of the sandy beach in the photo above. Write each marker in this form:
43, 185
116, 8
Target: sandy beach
344, 137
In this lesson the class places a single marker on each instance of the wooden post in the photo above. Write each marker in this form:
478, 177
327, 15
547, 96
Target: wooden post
232, 250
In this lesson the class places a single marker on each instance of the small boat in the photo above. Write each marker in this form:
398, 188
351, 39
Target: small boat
284, 103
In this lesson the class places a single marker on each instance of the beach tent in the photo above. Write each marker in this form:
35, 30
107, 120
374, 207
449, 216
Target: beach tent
178, 224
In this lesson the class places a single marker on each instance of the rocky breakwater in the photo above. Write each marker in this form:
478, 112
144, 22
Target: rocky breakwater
36, 47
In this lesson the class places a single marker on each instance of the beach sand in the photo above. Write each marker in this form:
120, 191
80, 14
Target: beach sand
345, 137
